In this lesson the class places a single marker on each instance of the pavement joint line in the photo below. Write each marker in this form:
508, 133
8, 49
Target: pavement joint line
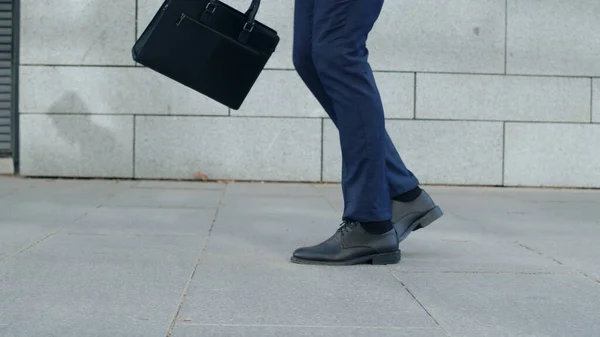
559, 262
8, 257
322, 195
539, 253
55, 231
312, 326
200, 254
589, 276
417, 300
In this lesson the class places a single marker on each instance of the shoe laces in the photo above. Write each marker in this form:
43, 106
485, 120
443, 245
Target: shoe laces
347, 225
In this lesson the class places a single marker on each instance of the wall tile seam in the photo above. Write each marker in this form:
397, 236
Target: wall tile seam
549, 123
592, 101
415, 97
437, 120
134, 154
75, 114
131, 64
523, 75
496, 120
568, 75
137, 13
448, 184
503, 177
322, 158
505, 37
227, 116
304, 118
393, 71
123, 114
549, 186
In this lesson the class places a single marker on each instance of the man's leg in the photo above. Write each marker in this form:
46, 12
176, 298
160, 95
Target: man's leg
304, 11
302, 53
340, 59
410, 207
400, 179
340, 56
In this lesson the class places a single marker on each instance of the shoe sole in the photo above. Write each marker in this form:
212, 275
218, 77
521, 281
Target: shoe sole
422, 222
377, 259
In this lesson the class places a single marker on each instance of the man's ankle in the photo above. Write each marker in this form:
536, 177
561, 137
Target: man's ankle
377, 227
409, 196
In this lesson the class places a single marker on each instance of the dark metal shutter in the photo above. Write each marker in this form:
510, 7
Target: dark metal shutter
6, 58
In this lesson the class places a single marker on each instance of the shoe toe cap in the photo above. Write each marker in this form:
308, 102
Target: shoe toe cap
305, 253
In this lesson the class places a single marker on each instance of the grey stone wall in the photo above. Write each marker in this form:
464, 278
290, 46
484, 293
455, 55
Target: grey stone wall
477, 92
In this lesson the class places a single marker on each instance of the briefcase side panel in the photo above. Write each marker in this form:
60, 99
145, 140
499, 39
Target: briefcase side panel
139, 45
232, 68
200, 58
207, 58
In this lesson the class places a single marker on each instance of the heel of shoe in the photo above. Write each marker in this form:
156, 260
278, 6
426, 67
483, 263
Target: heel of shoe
429, 218
387, 258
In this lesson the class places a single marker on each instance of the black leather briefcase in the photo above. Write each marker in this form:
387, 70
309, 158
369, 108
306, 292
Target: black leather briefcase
207, 46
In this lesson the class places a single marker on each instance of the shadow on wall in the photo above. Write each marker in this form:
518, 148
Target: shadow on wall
90, 144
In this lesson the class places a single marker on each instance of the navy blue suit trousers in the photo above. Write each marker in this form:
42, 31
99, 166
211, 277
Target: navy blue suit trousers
331, 57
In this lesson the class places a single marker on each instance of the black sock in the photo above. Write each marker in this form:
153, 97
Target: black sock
377, 227
409, 196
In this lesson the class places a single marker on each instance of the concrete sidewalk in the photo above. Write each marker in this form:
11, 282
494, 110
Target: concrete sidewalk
154, 259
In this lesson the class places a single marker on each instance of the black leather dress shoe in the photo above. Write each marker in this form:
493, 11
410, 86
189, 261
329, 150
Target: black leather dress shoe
411, 216
351, 244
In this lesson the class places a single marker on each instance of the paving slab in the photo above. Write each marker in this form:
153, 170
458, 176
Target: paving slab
72, 185
576, 253
267, 229
561, 226
268, 207
288, 294
508, 305
173, 185
333, 195
512, 214
143, 221
501, 262
37, 208
51, 212
433, 251
5, 192
504, 204
301, 331
15, 182
273, 190
71, 285
8, 186
18, 235
249, 249
65, 193
166, 198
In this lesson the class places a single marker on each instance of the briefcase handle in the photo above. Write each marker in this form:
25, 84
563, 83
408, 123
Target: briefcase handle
211, 6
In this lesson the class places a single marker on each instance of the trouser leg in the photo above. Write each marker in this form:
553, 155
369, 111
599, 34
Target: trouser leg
306, 29
339, 53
